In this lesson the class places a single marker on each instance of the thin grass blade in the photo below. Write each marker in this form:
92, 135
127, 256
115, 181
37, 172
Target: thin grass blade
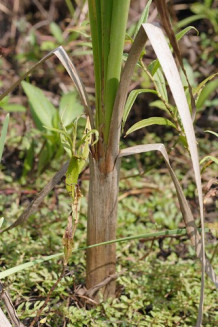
146, 236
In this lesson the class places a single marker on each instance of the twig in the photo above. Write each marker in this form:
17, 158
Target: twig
92, 291
9, 307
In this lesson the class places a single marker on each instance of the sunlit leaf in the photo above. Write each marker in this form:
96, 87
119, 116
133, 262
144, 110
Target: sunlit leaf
42, 109
148, 122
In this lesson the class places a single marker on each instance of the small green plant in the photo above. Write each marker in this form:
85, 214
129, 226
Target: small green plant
45, 114
204, 10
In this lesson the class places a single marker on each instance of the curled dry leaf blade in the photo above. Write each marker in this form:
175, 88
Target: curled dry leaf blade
170, 70
70, 68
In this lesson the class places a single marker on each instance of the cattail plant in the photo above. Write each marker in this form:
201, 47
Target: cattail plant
108, 20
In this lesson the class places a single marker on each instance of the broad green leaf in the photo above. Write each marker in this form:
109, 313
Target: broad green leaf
70, 108
56, 31
206, 93
3, 134
70, 68
144, 17
41, 108
130, 101
72, 175
150, 121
